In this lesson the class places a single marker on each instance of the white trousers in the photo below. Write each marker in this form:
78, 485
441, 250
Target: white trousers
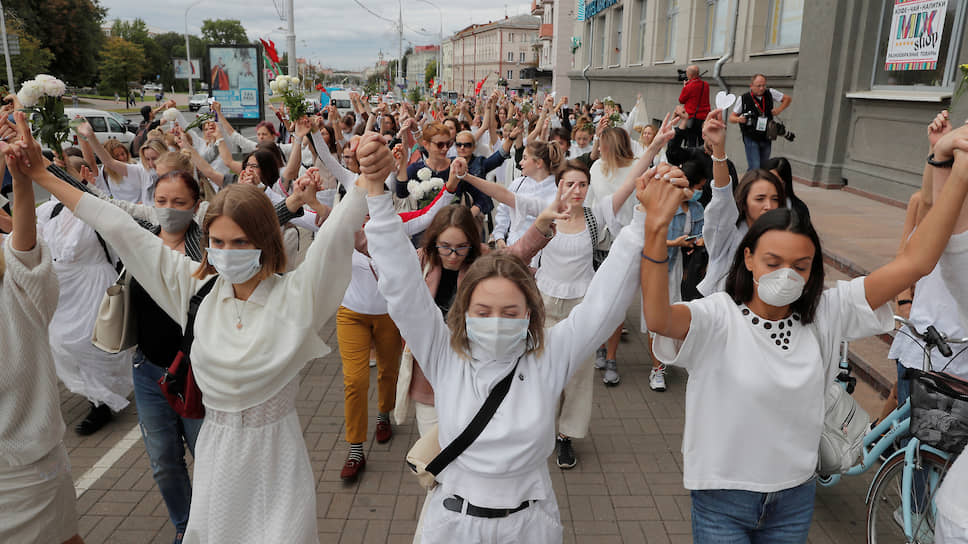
426, 418
575, 408
537, 524
946, 531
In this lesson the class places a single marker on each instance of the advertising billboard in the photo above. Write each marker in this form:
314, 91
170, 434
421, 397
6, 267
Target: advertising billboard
234, 75
183, 69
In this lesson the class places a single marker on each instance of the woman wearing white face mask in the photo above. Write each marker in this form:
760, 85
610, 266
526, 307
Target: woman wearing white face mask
761, 354
252, 477
499, 488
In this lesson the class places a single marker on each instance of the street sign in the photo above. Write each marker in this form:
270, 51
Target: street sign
13, 42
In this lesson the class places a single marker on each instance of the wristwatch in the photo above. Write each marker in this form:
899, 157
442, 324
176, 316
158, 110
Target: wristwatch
940, 164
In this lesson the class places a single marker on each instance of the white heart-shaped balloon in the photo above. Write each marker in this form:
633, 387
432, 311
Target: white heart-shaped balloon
724, 101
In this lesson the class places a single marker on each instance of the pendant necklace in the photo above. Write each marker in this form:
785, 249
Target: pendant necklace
239, 312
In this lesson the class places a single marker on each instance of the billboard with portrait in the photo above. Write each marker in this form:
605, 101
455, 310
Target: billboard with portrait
234, 75
183, 69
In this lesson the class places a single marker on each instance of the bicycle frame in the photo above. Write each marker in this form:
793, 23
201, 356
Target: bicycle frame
896, 424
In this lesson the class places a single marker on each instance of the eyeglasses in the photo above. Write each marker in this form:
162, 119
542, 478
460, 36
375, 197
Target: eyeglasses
464, 144
446, 251
441, 145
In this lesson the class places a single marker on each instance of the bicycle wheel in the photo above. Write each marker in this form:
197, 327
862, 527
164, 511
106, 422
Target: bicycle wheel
885, 520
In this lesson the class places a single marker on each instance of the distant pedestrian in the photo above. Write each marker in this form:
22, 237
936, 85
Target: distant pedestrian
117, 99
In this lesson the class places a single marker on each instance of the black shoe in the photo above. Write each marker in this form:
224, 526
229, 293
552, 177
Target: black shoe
566, 454
98, 417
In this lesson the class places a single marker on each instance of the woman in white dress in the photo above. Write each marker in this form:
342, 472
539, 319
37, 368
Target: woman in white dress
36, 490
254, 333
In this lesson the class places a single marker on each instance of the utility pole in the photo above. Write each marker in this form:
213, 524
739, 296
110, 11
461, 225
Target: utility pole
291, 36
400, 46
188, 48
6, 51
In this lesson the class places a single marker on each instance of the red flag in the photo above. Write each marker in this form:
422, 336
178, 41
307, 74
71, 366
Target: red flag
439, 87
477, 90
270, 50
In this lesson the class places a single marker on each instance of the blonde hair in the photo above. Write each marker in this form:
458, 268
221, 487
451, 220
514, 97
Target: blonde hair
498, 264
175, 160
616, 149
110, 146
157, 145
251, 209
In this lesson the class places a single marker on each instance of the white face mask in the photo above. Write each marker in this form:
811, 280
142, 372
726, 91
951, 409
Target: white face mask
174, 220
781, 287
235, 265
497, 338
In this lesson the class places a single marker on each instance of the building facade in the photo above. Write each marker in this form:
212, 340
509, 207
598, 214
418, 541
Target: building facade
417, 64
858, 113
491, 52
554, 42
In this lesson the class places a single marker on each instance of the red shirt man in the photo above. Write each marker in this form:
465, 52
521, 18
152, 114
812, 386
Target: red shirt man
695, 95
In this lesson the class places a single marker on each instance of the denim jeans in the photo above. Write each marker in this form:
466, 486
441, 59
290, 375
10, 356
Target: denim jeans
757, 152
733, 516
165, 434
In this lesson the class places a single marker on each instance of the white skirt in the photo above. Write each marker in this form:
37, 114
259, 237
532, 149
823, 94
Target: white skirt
252, 480
37, 501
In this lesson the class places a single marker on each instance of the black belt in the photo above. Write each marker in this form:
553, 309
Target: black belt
456, 504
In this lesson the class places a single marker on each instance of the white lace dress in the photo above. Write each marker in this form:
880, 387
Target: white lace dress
250, 480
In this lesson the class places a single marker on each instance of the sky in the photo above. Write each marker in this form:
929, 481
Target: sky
335, 33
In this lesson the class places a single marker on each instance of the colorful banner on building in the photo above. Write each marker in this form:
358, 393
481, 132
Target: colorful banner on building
594, 7
917, 27
183, 69
234, 78
581, 10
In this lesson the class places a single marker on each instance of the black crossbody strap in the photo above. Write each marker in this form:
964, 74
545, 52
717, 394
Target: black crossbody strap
476, 426
592, 225
193, 305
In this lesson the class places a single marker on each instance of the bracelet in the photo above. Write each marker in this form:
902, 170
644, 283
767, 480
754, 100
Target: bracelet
460, 176
940, 164
651, 260
724, 159
904, 301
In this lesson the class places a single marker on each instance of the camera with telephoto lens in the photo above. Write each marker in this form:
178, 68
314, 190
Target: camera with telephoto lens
779, 129
682, 75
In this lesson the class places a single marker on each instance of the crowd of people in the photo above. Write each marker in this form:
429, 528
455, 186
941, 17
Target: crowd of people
492, 244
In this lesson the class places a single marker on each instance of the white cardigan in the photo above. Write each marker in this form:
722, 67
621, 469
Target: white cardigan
241, 368
31, 424
507, 464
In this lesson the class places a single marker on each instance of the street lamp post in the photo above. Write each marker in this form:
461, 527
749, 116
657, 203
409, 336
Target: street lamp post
188, 50
440, 45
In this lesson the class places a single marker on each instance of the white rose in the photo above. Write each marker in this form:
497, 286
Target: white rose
283, 84
54, 87
413, 187
274, 85
30, 93
294, 81
44, 77
424, 174
436, 184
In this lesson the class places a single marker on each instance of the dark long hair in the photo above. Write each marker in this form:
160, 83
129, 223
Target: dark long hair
743, 191
739, 281
785, 172
453, 215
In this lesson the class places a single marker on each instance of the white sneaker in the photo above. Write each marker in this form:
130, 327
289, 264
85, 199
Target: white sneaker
600, 355
657, 379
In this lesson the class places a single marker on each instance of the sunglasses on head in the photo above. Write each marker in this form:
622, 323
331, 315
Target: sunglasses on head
464, 144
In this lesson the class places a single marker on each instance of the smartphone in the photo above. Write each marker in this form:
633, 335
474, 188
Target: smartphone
693, 237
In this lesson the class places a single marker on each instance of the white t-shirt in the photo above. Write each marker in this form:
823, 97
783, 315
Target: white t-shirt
755, 396
135, 186
362, 295
777, 98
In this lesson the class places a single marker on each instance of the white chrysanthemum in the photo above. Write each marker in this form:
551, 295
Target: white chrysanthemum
30, 93
424, 174
294, 81
413, 187
274, 85
170, 115
436, 184
54, 87
283, 83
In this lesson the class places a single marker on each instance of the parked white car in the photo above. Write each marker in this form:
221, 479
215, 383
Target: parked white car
107, 125
199, 101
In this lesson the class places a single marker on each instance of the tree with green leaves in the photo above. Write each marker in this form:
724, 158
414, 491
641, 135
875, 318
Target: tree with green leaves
32, 60
224, 32
70, 29
157, 61
121, 61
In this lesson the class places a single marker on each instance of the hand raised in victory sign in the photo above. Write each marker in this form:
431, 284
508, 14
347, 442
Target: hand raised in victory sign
558, 209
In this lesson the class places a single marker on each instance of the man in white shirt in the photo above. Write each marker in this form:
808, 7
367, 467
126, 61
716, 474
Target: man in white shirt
753, 111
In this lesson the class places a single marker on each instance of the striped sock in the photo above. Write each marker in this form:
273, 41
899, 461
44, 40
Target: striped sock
356, 451
383, 417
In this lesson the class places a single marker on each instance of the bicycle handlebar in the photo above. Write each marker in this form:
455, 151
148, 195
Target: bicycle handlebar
932, 337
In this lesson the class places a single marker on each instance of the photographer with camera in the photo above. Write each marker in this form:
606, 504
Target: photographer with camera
695, 100
754, 111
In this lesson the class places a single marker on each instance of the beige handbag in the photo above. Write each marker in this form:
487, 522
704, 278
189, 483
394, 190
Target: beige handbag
114, 329
405, 374
421, 454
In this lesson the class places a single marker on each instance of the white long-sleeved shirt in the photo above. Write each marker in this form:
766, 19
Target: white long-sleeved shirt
31, 424
507, 464
512, 228
721, 236
238, 368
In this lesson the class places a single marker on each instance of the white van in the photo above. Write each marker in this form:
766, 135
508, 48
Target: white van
341, 99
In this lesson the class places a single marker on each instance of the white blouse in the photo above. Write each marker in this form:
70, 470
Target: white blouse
721, 237
755, 396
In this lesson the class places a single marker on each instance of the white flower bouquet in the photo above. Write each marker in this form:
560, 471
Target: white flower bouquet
288, 87
41, 98
425, 188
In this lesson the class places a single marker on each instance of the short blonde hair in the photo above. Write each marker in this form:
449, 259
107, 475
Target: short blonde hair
251, 209
498, 264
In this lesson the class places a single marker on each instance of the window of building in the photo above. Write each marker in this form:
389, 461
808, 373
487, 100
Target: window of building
521, 74
642, 36
717, 26
785, 18
510, 74
600, 39
942, 73
521, 59
669, 39
510, 56
617, 34
511, 37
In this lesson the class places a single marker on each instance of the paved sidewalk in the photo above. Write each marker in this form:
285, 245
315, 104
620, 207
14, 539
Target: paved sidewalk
627, 486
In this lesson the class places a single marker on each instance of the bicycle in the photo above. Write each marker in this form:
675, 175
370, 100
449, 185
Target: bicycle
900, 501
